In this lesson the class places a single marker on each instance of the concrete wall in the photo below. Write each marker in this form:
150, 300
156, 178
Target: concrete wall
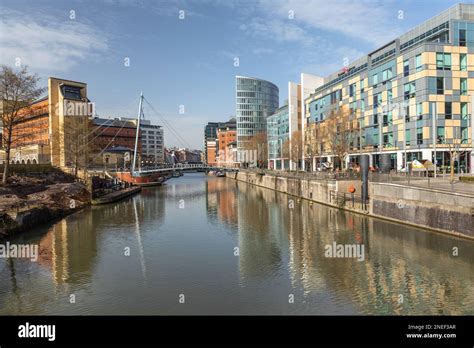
314, 190
453, 212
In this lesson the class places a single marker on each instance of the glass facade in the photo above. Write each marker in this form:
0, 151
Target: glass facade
391, 92
278, 135
255, 100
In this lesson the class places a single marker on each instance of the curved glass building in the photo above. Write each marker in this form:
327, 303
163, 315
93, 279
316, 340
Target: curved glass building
255, 100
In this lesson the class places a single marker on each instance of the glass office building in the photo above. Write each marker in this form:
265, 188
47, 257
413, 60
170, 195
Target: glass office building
278, 135
256, 99
410, 98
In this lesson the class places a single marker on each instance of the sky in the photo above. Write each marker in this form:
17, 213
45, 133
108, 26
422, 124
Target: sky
182, 54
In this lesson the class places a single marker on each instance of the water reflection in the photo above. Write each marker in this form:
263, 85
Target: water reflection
405, 271
182, 239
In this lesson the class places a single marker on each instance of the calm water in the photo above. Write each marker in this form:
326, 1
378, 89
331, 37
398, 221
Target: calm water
182, 238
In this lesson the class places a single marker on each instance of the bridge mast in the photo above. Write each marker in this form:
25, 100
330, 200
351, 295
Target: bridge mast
137, 134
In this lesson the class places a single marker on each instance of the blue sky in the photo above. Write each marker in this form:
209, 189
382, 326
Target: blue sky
190, 61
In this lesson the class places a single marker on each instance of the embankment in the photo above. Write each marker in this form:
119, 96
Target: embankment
441, 211
29, 204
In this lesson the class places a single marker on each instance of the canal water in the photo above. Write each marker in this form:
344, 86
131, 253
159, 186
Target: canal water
207, 245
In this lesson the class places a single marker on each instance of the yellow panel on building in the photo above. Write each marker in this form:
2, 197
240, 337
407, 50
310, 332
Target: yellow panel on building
426, 132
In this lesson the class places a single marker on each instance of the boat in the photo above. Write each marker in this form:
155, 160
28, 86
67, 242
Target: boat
220, 174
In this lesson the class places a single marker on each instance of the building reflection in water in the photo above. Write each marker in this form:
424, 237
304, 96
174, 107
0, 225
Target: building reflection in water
68, 252
397, 276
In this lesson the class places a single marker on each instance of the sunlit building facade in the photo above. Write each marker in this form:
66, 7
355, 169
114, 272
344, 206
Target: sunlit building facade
256, 99
410, 98
278, 135
285, 126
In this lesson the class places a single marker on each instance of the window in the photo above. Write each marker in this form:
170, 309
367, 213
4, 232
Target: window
376, 119
440, 135
352, 90
462, 37
419, 111
387, 119
464, 135
463, 86
387, 74
407, 113
375, 79
362, 105
464, 111
418, 65
409, 90
463, 62
440, 85
419, 135
406, 67
443, 61
407, 136
362, 86
71, 92
448, 111
377, 99
375, 138
389, 95
388, 139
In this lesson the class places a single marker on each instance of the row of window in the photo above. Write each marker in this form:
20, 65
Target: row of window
272, 101
388, 141
250, 113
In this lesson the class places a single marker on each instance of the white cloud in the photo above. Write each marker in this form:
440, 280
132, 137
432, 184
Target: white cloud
278, 30
46, 45
373, 21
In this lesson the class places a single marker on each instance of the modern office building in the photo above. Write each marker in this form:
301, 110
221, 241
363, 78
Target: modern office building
285, 126
278, 135
411, 96
256, 99
152, 139
151, 142
53, 129
210, 142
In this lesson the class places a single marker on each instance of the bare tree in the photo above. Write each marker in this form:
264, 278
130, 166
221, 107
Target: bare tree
320, 141
258, 145
454, 148
296, 147
18, 89
78, 146
339, 133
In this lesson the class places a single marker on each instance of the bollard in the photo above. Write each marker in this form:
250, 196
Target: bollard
364, 176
